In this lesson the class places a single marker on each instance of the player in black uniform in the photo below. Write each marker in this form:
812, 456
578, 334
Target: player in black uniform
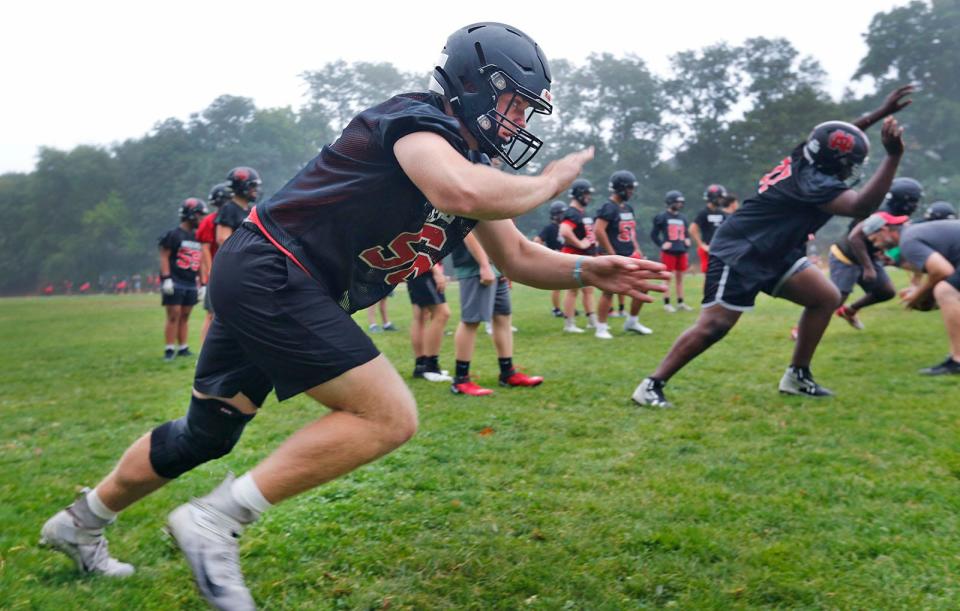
549, 236
670, 233
179, 266
855, 260
245, 183
760, 247
705, 224
576, 231
616, 233
387, 200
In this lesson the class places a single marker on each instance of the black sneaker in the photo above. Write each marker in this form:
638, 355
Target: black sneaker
169, 354
184, 352
799, 381
946, 367
557, 313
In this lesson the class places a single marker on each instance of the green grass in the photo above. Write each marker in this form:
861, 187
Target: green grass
738, 498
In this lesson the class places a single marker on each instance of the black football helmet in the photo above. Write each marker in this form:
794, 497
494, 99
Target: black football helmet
557, 209
479, 63
623, 182
192, 209
674, 197
220, 194
940, 211
903, 197
837, 148
244, 181
580, 188
715, 194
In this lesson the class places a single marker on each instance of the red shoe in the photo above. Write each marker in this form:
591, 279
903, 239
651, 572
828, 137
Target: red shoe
850, 316
468, 387
520, 379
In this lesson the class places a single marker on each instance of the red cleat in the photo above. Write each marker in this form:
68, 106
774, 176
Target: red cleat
520, 379
468, 387
850, 316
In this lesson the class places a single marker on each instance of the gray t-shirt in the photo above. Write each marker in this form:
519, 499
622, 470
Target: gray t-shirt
919, 241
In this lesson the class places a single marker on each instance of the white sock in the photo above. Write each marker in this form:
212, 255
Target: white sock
182, 347
569, 322
245, 492
98, 508
593, 319
171, 346
632, 320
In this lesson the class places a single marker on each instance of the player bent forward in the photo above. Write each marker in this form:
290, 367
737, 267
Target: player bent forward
327, 245
760, 247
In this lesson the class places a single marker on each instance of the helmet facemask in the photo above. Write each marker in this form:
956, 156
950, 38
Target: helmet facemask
519, 145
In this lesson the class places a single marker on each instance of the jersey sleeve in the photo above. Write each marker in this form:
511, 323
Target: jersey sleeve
417, 117
657, 229
230, 216
169, 240
609, 213
915, 252
701, 219
205, 232
544, 234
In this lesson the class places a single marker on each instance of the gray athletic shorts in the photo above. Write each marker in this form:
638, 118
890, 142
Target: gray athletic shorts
479, 303
846, 276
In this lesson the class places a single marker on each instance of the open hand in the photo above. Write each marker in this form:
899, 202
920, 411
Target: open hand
891, 134
895, 101
625, 276
565, 170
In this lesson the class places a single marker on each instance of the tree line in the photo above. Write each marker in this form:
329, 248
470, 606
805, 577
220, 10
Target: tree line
722, 114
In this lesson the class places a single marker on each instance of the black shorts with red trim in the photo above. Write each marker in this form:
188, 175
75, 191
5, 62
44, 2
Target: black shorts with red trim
275, 328
737, 289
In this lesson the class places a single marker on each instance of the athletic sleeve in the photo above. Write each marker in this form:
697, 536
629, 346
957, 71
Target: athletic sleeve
609, 213
417, 117
701, 219
170, 241
544, 234
657, 229
230, 215
915, 252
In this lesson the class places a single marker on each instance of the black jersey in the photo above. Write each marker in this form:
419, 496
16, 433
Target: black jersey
708, 220
771, 228
550, 236
621, 226
670, 227
582, 228
354, 219
230, 215
184, 257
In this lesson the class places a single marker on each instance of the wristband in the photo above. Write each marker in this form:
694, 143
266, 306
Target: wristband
576, 270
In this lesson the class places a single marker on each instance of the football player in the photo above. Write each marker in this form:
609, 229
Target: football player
179, 265
854, 260
430, 316
549, 236
705, 224
616, 233
576, 231
670, 232
940, 211
484, 297
932, 248
760, 247
394, 194
245, 185
207, 236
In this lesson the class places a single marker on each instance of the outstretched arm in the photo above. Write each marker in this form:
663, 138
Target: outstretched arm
457, 186
893, 103
537, 266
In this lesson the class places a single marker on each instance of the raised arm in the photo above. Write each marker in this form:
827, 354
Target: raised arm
859, 204
537, 266
893, 103
456, 186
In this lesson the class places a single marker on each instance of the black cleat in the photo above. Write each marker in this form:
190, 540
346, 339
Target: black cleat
799, 381
945, 368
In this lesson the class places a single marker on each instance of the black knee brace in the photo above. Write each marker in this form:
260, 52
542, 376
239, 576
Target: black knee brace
209, 430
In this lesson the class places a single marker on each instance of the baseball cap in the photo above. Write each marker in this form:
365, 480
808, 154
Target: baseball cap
875, 222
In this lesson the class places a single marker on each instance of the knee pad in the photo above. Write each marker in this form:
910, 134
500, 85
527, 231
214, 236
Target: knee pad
209, 430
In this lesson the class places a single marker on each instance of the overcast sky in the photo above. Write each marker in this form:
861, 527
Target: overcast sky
100, 71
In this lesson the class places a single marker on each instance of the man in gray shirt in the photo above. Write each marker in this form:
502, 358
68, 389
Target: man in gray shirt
932, 248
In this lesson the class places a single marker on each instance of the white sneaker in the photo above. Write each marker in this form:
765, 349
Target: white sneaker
797, 381
603, 332
669, 308
489, 328
208, 538
683, 306
572, 329
433, 376
87, 547
636, 327
650, 392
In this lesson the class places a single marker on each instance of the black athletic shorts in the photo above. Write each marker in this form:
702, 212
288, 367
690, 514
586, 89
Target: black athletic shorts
180, 297
736, 290
275, 328
423, 291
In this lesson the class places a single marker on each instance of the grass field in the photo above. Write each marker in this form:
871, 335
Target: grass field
562, 497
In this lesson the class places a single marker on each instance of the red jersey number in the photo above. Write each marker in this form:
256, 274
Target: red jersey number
628, 229
781, 172
676, 232
188, 258
400, 257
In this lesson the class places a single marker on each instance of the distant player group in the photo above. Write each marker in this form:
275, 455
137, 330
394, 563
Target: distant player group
409, 182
